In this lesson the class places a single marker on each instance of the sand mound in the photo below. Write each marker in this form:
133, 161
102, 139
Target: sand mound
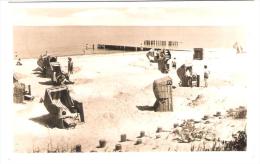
200, 99
122, 95
83, 81
238, 113
20, 76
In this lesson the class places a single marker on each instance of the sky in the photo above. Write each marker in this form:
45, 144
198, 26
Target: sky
133, 14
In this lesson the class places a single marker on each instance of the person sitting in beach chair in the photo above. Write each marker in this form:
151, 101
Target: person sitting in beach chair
188, 76
174, 63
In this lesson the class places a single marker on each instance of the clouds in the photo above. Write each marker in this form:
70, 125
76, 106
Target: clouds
132, 16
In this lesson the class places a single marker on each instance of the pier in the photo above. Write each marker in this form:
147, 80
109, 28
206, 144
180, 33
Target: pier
146, 46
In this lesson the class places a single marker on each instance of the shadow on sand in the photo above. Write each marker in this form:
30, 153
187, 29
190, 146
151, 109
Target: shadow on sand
38, 71
46, 82
45, 120
39, 74
145, 108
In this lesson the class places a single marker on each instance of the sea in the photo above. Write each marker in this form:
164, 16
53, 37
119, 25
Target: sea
32, 41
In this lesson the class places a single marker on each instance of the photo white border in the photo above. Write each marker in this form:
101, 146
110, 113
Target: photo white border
7, 154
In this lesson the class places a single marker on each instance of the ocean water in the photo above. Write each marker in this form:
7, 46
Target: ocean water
31, 41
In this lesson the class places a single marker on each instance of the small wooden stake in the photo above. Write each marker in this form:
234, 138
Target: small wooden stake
138, 142
142, 134
78, 148
175, 125
159, 129
102, 143
123, 137
118, 147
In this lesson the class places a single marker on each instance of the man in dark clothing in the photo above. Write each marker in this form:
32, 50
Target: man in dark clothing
70, 66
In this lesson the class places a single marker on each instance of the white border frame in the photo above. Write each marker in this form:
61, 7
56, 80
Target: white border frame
8, 156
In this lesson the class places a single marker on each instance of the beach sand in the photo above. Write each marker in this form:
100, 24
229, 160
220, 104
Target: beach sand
112, 87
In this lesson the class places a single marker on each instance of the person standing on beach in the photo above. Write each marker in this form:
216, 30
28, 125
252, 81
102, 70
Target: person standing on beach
174, 63
206, 75
70, 65
93, 48
85, 49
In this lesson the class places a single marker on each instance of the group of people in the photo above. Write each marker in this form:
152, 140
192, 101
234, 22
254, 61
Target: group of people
188, 73
157, 56
60, 77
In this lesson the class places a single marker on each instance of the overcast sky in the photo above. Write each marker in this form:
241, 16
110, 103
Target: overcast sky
133, 14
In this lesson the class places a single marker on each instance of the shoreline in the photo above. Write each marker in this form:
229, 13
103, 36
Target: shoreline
107, 52
119, 52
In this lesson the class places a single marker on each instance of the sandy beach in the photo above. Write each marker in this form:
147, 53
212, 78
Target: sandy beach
113, 89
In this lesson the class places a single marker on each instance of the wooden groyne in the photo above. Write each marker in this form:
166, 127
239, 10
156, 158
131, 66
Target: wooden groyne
146, 46
122, 47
